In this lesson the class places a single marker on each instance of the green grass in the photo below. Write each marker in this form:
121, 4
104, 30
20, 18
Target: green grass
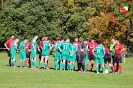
39, 78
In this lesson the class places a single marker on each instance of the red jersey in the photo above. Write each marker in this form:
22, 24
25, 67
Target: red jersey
28, 45
9, 43
51, 43
55, 41
118, 48
107, 51
40, 44
77, 43
91, 46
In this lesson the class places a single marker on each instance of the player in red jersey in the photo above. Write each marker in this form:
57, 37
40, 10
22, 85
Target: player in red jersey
27, 61
76, 42
118, 56
39, 47
91, 46
56, 39
107, 58
8, 45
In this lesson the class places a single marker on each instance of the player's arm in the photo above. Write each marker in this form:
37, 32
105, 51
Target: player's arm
111, 48
6, 45
123, 49
24, 46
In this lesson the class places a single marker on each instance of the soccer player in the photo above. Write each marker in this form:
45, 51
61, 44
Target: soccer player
65, 52
39, 48
33, 51
99, 53
72, 51
45, 53
86, 59
107, 58
13, 52
27, 61
76, 41
22, 47
91, 46
8, 45
83, 53
57, 53
118, 56
112, 50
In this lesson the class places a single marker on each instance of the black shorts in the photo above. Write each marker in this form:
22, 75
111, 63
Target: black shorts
107, 58
118, 59
91, 57
8, 53
27, 54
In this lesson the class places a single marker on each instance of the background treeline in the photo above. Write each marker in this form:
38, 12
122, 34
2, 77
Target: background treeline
65, 18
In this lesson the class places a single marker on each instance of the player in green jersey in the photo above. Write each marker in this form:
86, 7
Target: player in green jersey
34, 51
99, 53
22, 47
13, 52
57, 53
65, 46
45, 53
72, 51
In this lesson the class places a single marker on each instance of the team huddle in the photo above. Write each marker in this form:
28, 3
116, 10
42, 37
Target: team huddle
66, 54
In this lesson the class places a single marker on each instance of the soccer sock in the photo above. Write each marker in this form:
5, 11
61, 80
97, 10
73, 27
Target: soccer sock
21, 63
91, 67
73, 67
32, 64
11, 62
40, 64
120, 68
69, 66
103, 69
97, 68
114, 68
64, 66
56, 65
25, 63
60, 65
45, 64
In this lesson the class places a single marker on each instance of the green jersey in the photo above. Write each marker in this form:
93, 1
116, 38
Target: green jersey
99, 50
14, 47
33, 42
66, 46
112, 49
57, 46
46, 46
22, 46
73, 48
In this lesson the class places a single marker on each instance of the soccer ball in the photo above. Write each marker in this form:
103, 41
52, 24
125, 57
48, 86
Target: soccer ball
106, 71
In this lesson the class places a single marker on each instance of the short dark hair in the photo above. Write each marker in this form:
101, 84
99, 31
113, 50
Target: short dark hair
35, 35
99, 42
25, 38
117, 39
85, 39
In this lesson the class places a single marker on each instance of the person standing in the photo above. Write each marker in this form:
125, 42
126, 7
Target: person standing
77, 43
34, 51
91, 46
118, 56
27, 61
57, 53
8, 45
65, 47
99, 53
83, 52
22, 47
13, 52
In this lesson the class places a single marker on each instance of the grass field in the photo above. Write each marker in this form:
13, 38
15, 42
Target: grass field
39, 78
